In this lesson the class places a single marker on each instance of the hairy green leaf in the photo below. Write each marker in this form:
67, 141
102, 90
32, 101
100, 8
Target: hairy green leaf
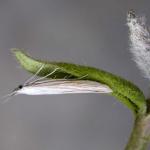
123, 90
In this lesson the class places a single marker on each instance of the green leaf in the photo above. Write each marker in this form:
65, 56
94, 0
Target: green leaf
123, 90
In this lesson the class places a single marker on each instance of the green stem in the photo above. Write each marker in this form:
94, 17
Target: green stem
139, 138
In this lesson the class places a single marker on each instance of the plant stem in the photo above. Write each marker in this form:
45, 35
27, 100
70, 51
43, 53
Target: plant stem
139, 138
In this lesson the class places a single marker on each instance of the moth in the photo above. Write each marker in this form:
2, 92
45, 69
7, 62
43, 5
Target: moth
46, 86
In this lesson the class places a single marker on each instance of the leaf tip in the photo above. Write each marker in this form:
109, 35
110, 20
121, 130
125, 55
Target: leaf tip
17, 51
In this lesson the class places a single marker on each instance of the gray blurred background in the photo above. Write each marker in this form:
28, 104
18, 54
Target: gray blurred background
87, 32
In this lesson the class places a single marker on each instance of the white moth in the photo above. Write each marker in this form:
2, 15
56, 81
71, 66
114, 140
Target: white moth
43, 86
63, 86
139, 41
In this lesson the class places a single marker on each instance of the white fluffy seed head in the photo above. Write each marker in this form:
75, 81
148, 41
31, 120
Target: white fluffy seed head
139, 42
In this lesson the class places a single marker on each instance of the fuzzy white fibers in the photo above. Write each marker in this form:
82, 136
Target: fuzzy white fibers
139, 42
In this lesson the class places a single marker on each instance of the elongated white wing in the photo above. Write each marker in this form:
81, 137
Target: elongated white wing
64, 86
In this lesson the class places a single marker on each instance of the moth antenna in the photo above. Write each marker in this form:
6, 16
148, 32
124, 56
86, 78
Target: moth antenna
5, 98
40, 79
34, 76
55, 77
68, 76
79, 78
82, 76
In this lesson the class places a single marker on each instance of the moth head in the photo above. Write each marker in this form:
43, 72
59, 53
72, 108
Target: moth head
18, 88
13, 93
